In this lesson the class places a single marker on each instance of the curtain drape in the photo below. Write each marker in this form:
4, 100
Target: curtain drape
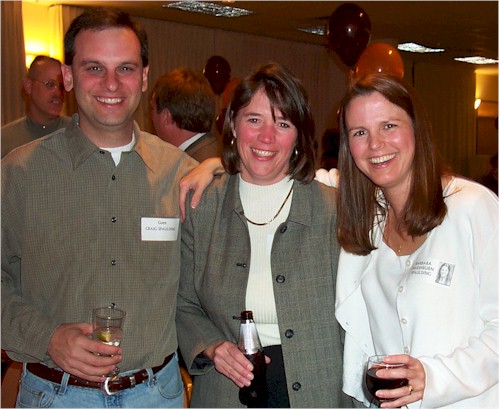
13, 61
447, 91
173, 45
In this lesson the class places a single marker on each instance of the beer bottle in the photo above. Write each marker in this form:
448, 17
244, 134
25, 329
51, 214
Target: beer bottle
255, 395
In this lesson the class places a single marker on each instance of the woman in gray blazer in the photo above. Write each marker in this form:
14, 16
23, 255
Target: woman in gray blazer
263, 239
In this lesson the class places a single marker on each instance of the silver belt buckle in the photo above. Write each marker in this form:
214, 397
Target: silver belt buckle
110, 379
105, 386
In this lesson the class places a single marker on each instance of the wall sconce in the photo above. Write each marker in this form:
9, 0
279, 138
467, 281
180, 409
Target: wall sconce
477, 103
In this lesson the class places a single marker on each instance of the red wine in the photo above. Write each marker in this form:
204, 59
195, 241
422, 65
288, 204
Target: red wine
374, 383
255, 395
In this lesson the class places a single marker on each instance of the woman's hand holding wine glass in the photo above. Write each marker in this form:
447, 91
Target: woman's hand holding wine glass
395, 380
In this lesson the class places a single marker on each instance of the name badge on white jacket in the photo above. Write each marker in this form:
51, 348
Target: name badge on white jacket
159, 229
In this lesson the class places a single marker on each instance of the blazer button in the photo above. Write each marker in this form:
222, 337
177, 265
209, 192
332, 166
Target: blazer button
296, 386
289, 333
283, 229
280, 279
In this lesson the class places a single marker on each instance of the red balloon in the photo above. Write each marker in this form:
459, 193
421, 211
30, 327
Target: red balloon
349, 30
218, 72
380, 57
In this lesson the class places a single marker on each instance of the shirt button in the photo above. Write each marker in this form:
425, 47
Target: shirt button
113, 219
408, 263
296, 386
289, 333
401, 289
404, 321
407, 350
113, 262
280, 279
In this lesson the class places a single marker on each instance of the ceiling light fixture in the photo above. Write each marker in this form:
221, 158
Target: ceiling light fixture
208, 8
318, 30
476, 60
417, 48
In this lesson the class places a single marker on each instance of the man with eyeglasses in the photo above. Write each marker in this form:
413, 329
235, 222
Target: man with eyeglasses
44, 101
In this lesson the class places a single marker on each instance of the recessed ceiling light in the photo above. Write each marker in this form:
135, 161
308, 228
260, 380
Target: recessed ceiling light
318, 30
208, 8
417, 48
477, 60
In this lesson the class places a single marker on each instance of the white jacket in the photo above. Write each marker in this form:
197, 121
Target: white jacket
452, 330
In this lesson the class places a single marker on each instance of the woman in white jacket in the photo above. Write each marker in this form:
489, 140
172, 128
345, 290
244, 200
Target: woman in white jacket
401, 218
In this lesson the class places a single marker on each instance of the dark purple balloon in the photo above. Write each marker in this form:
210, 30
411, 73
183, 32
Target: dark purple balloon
349, 30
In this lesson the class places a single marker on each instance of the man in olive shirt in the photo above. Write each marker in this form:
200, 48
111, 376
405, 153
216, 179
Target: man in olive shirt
44, 93
90, 218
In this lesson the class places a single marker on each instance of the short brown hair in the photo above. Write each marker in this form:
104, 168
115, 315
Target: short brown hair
287, 94
189, 98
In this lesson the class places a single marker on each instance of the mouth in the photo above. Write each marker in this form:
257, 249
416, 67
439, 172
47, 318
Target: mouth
263, 153
382, 159
110, 100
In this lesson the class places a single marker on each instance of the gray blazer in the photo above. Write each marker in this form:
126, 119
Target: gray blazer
215, 266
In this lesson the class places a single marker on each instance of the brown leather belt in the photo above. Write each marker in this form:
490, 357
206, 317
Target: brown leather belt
120, 383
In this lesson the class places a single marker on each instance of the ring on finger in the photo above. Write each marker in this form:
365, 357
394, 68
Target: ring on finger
410, 389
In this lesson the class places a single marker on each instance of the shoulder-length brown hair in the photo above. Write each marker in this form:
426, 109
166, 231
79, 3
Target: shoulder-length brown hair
286, 94
357, 200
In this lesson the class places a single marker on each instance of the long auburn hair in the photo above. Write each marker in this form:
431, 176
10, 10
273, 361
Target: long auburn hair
358, 204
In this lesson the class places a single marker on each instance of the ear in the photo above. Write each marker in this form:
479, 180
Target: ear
67, 74
233, 131
166, 117
27, 84
145, 72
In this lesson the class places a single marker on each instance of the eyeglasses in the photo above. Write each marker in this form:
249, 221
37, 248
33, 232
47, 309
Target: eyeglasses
50, 84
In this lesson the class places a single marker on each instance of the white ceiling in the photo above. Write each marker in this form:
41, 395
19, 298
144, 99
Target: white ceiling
463, 28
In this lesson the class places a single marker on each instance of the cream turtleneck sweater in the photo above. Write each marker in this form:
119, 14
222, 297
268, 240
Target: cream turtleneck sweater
261, 202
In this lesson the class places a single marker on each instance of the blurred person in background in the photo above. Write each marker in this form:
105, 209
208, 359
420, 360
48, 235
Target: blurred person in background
183, 112
44, 92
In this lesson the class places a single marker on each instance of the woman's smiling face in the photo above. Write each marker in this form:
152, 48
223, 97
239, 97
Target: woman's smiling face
381, 140
265, 144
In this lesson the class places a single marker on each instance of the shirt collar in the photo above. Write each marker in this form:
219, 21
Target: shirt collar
81, 148
191, 140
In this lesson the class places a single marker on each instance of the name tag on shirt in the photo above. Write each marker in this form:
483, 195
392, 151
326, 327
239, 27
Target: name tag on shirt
159, 229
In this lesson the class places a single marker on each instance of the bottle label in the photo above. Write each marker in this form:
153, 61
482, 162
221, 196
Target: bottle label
250, 337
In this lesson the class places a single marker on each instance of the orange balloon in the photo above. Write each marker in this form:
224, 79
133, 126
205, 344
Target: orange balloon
380, 57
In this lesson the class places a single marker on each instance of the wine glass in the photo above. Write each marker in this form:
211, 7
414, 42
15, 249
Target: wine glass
107, 323
374, 383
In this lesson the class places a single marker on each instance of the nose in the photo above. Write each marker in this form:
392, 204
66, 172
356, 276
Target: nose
111, 81
375, 140
267, 133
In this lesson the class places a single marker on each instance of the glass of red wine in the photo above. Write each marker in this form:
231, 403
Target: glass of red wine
374, 383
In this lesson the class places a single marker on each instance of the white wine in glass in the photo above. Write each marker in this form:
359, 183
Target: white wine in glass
107, 323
